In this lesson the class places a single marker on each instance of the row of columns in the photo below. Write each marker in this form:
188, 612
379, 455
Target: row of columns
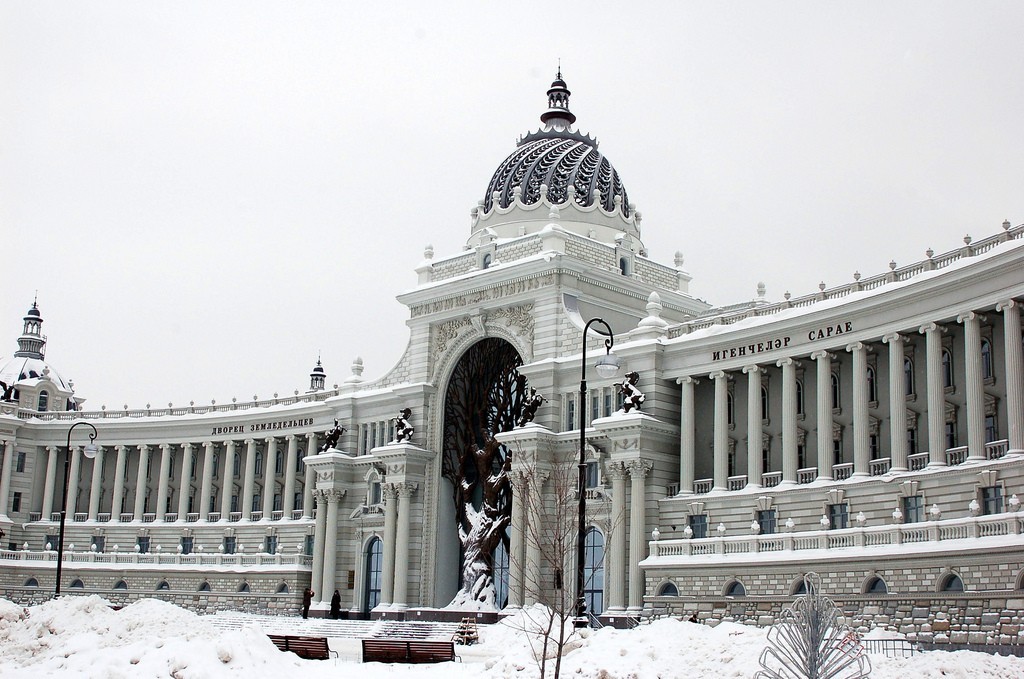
975, 412
163, 483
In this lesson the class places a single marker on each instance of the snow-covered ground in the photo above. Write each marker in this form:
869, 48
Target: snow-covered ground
84, 637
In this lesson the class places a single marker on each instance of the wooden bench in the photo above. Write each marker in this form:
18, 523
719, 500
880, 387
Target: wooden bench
310, 648
408, 651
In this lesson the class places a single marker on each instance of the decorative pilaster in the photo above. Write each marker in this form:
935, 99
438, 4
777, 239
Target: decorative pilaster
405, 491
228, 486
687, 447
269, 465
307, 486
319, 545
975, 388
163, 481
532, 578
387, 586
48, 487
207, 488
184, 480
1014, 372
638, 470
897, 403
824, 413
861, 436
72, 499
616, 577
96, 487
721, 435
140, 482
517, 539
789, 443
288, 499
328, 580
249, 482
117, 499
754, 470
936, 395
5, 478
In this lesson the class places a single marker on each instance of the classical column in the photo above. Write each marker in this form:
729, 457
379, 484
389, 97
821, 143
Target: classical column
975, 388
206, 489
51, 475
897, 403
228, 486
387, 585
330, 544
307, 488
5, 477
117, 499
140, 482
616, 573
531, 578
687, 446
936, 395
96, 488
861, 436
789, 444
824, 413
517, 539
288, 495
164, 481
637, 537
319, 545
249, 481
721, 449
269, 467
184, 481
753, 426
72, 498
1014, 373
405, 491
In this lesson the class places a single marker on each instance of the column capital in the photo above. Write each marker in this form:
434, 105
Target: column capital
165, 446
787, 361
965, 316
311, 435
289, 437
389, 490
822, 354
334, 495
617, 470
931, 326
321, 496
717, 375
187, 446
406, 489
893, 337
250, 441
270, 439
638, 468
208, 444
687, 379
856, 346
751, 369
1007, 304
119, 447
143, 448
518, 479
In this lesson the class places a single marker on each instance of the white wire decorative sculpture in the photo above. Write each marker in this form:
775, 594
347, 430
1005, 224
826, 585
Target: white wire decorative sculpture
809, 642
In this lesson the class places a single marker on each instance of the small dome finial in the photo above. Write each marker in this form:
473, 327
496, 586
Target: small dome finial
558, 114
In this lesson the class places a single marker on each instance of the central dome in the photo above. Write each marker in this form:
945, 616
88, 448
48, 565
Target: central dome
553, 159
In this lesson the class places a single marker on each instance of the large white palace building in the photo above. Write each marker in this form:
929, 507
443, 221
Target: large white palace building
872, 433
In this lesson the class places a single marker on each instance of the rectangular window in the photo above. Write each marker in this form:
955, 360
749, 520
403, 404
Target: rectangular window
16, 503
873, 446
270, 544
278, 502
309, 545
570, 413
991, 430
279, 464
608, 409
51, 542
950, 435
913, 509
911, 441
19, 465
592, 474
766, 520
699, 525
257, 503
374, 495
839, 515
142, 544
229, 544
801, 456
765, 462
234, 503
187, 542
595, 407
837, 451
99, 542
992, 500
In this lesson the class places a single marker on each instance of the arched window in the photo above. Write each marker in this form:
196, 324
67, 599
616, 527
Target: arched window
952, 583
501, 575
205, 587
244, 587
259, 463
31, 582
283, 588
908, 377
593, 571
947, 368
487, 261
801, 587
237, 465
624, 266
799, 397
986, 360
121, 584
668, 589
872, 387
730, 409
836, 402
764, 403
735, 588
44, 401
279, 463
163, 586
214, 464
876, 586
374, 559
77, 584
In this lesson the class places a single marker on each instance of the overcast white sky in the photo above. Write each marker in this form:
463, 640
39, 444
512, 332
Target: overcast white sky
206, 195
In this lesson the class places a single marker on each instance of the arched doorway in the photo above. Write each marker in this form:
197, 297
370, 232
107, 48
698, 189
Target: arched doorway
593, 571
374, 560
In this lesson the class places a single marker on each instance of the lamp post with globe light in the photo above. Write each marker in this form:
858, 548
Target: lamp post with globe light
90, 452
606, 366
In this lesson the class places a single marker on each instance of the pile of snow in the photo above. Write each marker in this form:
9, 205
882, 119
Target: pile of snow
84, 637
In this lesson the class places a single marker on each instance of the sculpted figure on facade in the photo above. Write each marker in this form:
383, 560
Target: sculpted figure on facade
632, 397
530, 406
332, 437
403, 429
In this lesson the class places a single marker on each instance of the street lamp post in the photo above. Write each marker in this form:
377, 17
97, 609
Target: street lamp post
606, 366
90, 452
